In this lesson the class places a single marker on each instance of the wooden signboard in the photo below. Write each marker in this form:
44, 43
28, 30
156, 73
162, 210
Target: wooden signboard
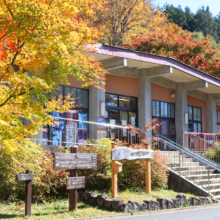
75, 182
24, 177
75, 161
125, 153
28, 177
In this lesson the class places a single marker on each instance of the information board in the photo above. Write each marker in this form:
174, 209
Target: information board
75, 182
75, 161
125, 153
24, 177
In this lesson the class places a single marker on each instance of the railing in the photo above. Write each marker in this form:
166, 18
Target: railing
207, 148
69, 131
190, 164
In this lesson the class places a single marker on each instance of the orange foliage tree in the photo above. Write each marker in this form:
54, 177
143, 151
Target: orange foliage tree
172, 41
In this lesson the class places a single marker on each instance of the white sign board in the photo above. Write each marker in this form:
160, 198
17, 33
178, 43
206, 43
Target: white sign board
125, 153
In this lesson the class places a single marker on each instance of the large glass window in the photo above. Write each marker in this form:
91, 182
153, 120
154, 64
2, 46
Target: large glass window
122, 110
66, 132
163, 109
195, 119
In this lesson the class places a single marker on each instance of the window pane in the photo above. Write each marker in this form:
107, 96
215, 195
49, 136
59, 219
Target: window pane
133, 103
190, 112
164, 126
218, 116
172, 111
168, 110
195, 114
67, 90
113, 114
82, 100
132, 118
156, 108
111, 100
163, 109
199, 115
199, 127
195, 127
171, 128
124, 116
124, 101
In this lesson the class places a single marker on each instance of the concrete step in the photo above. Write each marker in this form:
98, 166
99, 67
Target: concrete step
212, 186
204, 176
197, 172
190, 168
217, 197
210, 181
215, 192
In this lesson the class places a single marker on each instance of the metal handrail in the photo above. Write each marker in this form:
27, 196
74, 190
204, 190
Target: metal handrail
198, 157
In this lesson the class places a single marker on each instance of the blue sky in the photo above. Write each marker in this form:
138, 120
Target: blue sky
214, 5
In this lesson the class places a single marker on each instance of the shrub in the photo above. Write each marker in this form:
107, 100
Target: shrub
47, 183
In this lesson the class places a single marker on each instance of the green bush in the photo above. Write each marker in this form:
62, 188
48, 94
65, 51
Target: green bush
47, 184
133, 171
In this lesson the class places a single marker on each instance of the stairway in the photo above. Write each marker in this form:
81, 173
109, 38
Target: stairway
194, 167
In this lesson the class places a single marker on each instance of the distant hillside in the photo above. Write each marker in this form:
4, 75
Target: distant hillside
201, 21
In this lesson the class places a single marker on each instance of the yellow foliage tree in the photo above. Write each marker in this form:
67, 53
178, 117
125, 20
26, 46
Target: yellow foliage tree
40, 45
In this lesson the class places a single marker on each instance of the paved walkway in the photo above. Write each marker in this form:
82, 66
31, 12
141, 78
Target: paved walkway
197, 213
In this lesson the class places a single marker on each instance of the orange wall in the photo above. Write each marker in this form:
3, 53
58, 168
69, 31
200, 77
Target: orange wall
122, 85
161, 93
74, 82
191, 101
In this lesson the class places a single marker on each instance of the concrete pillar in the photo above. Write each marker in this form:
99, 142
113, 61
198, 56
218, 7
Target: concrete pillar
180, 110
211, 115
144, 102
96, 96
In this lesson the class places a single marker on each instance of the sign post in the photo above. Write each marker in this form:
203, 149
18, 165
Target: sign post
116, 167
28, 177
73, 192
73, 161
148, 171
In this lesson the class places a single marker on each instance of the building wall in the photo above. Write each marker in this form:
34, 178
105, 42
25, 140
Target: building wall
73, 82
122, 85
192, 101
217, 107
161, 93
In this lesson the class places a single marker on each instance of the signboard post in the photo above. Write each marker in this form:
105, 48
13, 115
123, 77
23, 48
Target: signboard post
28, 177
148, 171
125, 153
73, 192
74, 161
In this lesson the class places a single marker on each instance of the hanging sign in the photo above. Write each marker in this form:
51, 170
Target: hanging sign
74, 161
125, 153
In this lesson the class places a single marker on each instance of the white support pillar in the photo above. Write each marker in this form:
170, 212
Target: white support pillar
96, 96
180, 110
144, 101
211, 114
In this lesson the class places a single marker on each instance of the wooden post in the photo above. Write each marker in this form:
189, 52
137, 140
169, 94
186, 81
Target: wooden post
28, 195
148, 171
73, 192
114, 178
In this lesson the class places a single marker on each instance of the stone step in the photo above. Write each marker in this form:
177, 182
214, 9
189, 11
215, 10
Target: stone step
184, 164
217, 197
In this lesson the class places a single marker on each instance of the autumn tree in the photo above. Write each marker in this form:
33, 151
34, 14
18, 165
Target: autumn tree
40, 45
179, 44
125, 18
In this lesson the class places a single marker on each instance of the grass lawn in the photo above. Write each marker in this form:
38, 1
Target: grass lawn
58, 209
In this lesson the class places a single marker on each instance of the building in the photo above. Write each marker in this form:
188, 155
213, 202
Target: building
141, 86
